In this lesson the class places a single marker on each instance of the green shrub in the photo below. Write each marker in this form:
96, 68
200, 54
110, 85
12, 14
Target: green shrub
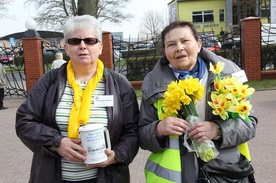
18, 60
138, 67
48, 59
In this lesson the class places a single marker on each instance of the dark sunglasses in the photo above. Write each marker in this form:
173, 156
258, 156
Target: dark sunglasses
77, 41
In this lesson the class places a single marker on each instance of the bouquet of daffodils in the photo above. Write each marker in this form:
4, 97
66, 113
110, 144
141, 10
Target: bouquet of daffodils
230, 98
179, 100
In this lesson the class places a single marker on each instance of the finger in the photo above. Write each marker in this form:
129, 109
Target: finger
202, 139
79, 148
177, 131
72, 157
183, 123
76, 141
194, 126
108, 152
195, 134
78, 155
194, 131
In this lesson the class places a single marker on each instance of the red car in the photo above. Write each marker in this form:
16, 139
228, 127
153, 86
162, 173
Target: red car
6, 59
211, 45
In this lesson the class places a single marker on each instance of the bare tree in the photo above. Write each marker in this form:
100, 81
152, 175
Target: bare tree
88, 7
3, 7
53, 13
153, 23
243, 9
111, 10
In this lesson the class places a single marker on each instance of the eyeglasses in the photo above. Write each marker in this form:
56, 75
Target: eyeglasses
77, 41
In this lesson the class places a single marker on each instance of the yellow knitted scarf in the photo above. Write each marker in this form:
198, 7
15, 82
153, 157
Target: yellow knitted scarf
80, 111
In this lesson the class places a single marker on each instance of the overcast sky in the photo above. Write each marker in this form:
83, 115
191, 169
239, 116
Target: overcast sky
136, 7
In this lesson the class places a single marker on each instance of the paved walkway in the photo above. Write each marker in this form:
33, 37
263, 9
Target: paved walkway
15, 158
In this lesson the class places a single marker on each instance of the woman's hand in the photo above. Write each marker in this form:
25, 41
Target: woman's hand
71, 150
204, 130
171, 126
110, 160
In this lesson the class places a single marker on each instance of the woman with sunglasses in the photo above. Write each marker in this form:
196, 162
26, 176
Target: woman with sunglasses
64, 99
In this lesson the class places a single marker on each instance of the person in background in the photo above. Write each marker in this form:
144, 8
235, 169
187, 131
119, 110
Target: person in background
2, 86
170, 160
66, 98
59, 60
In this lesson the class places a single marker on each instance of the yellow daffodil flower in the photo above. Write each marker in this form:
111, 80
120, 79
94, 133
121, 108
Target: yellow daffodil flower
220, 105
180, 98
243, 109
230, 98
216, 69
182, 93
246, 91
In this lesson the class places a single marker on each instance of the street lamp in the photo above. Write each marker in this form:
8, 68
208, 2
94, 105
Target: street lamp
30, 24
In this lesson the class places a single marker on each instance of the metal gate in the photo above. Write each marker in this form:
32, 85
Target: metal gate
12, 60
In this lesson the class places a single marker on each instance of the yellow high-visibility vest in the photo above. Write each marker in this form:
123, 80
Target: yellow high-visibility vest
159, 167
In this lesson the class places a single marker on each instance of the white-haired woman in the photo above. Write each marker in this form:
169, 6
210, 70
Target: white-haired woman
64, 99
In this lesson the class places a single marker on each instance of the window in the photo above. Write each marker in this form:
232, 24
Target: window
265, 12
265, 8
203, 16
221, 15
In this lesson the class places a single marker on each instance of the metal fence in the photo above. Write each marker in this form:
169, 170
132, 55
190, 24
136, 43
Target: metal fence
268, 41
135, 57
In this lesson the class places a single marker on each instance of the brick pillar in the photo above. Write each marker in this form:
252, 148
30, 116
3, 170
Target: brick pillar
251, 47
107, 56
33, 60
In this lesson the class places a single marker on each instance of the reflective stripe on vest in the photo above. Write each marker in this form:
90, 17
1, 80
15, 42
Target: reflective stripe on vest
156, 173
164, 166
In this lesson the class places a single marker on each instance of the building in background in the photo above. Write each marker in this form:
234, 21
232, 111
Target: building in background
218, 16
52, 37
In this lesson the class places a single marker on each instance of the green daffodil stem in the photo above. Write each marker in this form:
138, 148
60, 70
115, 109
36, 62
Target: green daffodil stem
189, 109
218, 76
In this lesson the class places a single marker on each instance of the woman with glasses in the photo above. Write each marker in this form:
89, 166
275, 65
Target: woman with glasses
66, 98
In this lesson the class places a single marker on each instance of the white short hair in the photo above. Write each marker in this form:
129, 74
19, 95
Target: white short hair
83, 22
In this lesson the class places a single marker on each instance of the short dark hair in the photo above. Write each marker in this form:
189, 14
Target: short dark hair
177, 24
